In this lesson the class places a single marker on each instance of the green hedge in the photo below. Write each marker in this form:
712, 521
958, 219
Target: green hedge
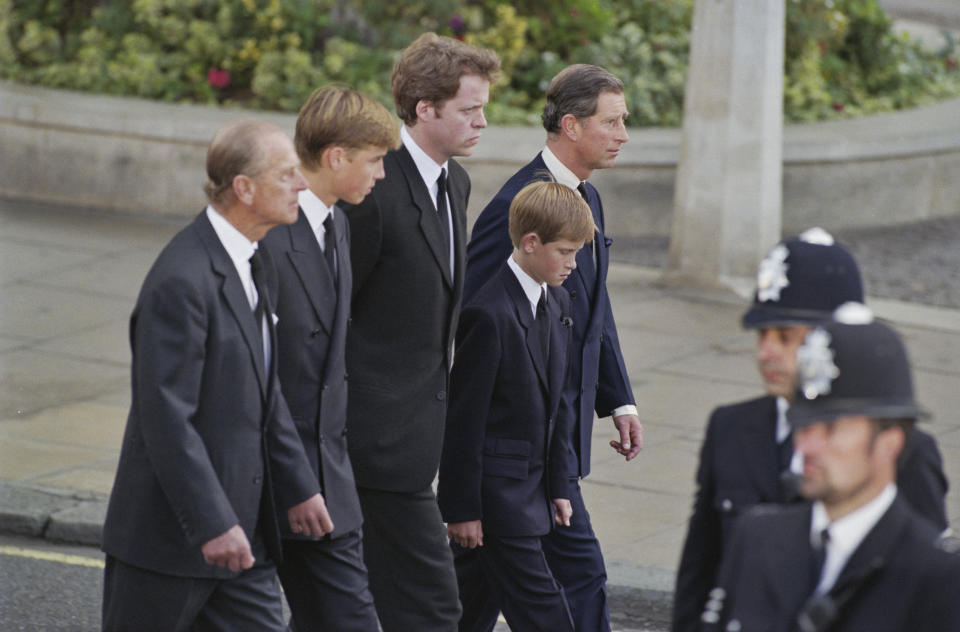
842, 57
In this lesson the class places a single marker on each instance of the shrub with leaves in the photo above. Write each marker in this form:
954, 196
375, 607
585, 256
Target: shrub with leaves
842, 56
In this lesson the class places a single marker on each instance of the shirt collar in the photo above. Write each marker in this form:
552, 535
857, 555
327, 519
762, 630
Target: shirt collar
558, 170
429, 170
848, 532
236, 243
314, 208
783, 426
531, 288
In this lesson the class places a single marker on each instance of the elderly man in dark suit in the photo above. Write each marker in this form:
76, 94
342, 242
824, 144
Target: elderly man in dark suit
584, 116
210, 450
858, 557
341, 139
747, 457
407, 256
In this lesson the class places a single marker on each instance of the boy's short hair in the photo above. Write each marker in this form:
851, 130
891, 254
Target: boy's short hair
341, 117
551, 210
430, 69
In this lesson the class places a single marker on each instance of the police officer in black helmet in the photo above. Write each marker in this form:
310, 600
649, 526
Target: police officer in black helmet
858, 558
747, 456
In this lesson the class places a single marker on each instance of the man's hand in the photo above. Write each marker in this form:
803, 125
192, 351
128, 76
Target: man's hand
310, 517
631, 436
562, 511
469, 534
230, 549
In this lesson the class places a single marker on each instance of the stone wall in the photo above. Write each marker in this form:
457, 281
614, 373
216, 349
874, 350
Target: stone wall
134, 156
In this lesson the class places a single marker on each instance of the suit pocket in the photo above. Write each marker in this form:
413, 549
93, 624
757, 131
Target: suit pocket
503, 467
506, 458
507, 447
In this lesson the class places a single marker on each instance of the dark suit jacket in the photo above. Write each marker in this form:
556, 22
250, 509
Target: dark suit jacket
739, 469
405, 309
900, 578
507, 435
311, 349
598, 378
208, 428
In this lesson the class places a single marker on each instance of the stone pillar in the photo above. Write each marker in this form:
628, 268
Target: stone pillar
727, 201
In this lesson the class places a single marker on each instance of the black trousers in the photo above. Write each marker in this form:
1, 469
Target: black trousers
512, 573
409, 561
136, 599
326, 585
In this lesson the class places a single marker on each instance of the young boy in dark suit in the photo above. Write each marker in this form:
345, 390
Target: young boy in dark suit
341, 139
503, 477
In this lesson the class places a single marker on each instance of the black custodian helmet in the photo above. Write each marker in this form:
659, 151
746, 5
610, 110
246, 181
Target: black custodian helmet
802, 281
852, 365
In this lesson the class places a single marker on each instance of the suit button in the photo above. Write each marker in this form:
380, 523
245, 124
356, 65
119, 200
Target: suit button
346, 376
442, 395
727, 504
314, 333
343, 433
573, 294
321, 438
257, 479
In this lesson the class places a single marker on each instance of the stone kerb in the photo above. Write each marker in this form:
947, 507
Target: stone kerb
142, 157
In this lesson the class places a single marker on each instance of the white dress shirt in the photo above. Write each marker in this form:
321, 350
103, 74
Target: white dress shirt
783, 431
240, 249
317, 213
530, 287
846, 533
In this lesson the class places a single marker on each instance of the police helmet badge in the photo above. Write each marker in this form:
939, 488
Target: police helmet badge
815, 364
772, 275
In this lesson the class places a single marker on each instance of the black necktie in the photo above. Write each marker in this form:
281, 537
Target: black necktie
543, 324
256, 270
330, 245
442, 213
263, 300
819, 557
591, 247
785, 449
583, 192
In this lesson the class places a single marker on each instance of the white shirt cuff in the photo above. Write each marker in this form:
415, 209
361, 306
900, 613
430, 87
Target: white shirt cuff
628, 409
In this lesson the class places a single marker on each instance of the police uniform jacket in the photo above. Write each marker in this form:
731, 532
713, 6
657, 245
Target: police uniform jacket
739, 468
899, 579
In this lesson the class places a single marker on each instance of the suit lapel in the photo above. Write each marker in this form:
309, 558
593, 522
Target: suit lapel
231, 289
525, 315
758, 439
307, 259
341, 300
559, 336
429, 220
871, 554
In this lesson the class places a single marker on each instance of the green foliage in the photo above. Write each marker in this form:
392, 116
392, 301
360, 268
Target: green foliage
842, 56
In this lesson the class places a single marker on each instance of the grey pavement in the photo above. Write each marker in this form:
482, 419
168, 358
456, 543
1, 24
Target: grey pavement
69, 280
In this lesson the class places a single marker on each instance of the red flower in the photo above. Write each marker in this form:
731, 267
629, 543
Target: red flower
837, 106
218, 78
950, 62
